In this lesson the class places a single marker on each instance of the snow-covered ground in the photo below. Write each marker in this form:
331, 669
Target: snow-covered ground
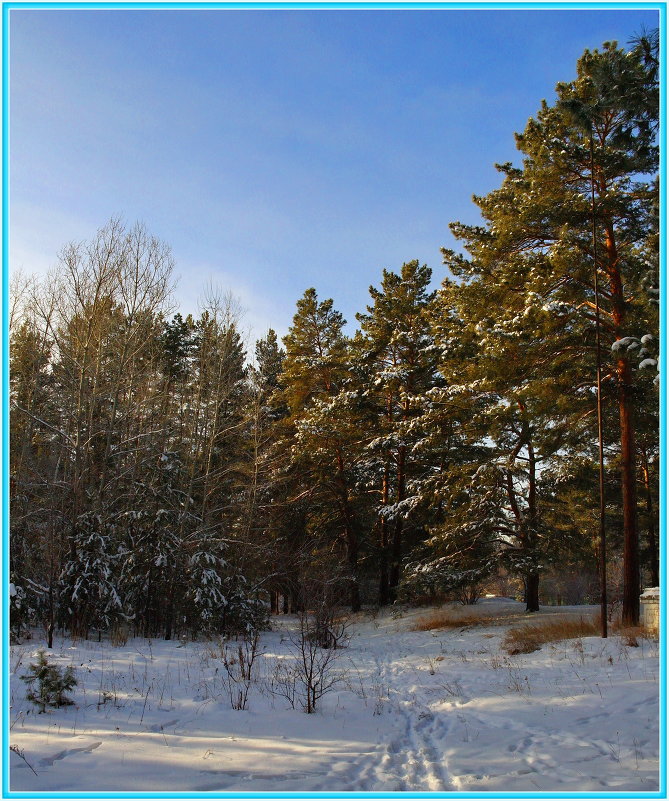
414, 711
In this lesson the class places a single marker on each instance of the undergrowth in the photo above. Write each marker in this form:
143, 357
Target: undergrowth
530, 637
457, 618
630, 635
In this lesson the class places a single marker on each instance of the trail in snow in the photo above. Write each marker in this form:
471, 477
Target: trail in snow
410, 758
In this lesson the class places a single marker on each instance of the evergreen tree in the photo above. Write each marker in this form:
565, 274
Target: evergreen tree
260, 526
269, 360
537, 241
322, 428
399, 366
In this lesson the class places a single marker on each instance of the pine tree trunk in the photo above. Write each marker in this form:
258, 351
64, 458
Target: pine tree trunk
384, 580
631, 579
384, 583
354, 596
50, 623
350, 536
395, 560
631, 583
169, 616
652, 538
532, 592
352, 553
398, 531
532, 579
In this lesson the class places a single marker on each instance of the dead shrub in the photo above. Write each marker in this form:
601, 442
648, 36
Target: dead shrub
530, 637
238, 663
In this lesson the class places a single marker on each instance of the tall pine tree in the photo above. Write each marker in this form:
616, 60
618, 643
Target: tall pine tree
537, 238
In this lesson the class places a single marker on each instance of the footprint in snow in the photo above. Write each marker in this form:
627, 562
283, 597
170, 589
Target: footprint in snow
68, 752
162, 726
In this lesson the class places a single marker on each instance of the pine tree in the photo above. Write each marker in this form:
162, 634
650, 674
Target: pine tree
489, 437
269, 360
536, 244
260, 523
322, 428
398, 362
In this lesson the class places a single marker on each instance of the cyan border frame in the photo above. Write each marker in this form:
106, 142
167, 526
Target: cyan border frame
364, 5
4, 437
464, 5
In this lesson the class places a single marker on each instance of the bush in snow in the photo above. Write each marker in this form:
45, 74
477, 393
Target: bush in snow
238, 661
314, 669
48, 683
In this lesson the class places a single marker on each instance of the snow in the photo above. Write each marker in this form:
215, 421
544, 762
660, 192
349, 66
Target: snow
440, 710
625, 342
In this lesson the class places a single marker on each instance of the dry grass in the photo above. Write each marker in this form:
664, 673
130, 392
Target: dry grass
630, 635
457, 618
530, 637
119, 636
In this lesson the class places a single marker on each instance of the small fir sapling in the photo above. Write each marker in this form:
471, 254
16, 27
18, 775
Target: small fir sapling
52, 683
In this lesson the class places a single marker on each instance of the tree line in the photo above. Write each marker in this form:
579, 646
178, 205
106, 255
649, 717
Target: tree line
162, 480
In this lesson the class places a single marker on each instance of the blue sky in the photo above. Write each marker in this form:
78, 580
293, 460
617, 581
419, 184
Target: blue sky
277, 150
